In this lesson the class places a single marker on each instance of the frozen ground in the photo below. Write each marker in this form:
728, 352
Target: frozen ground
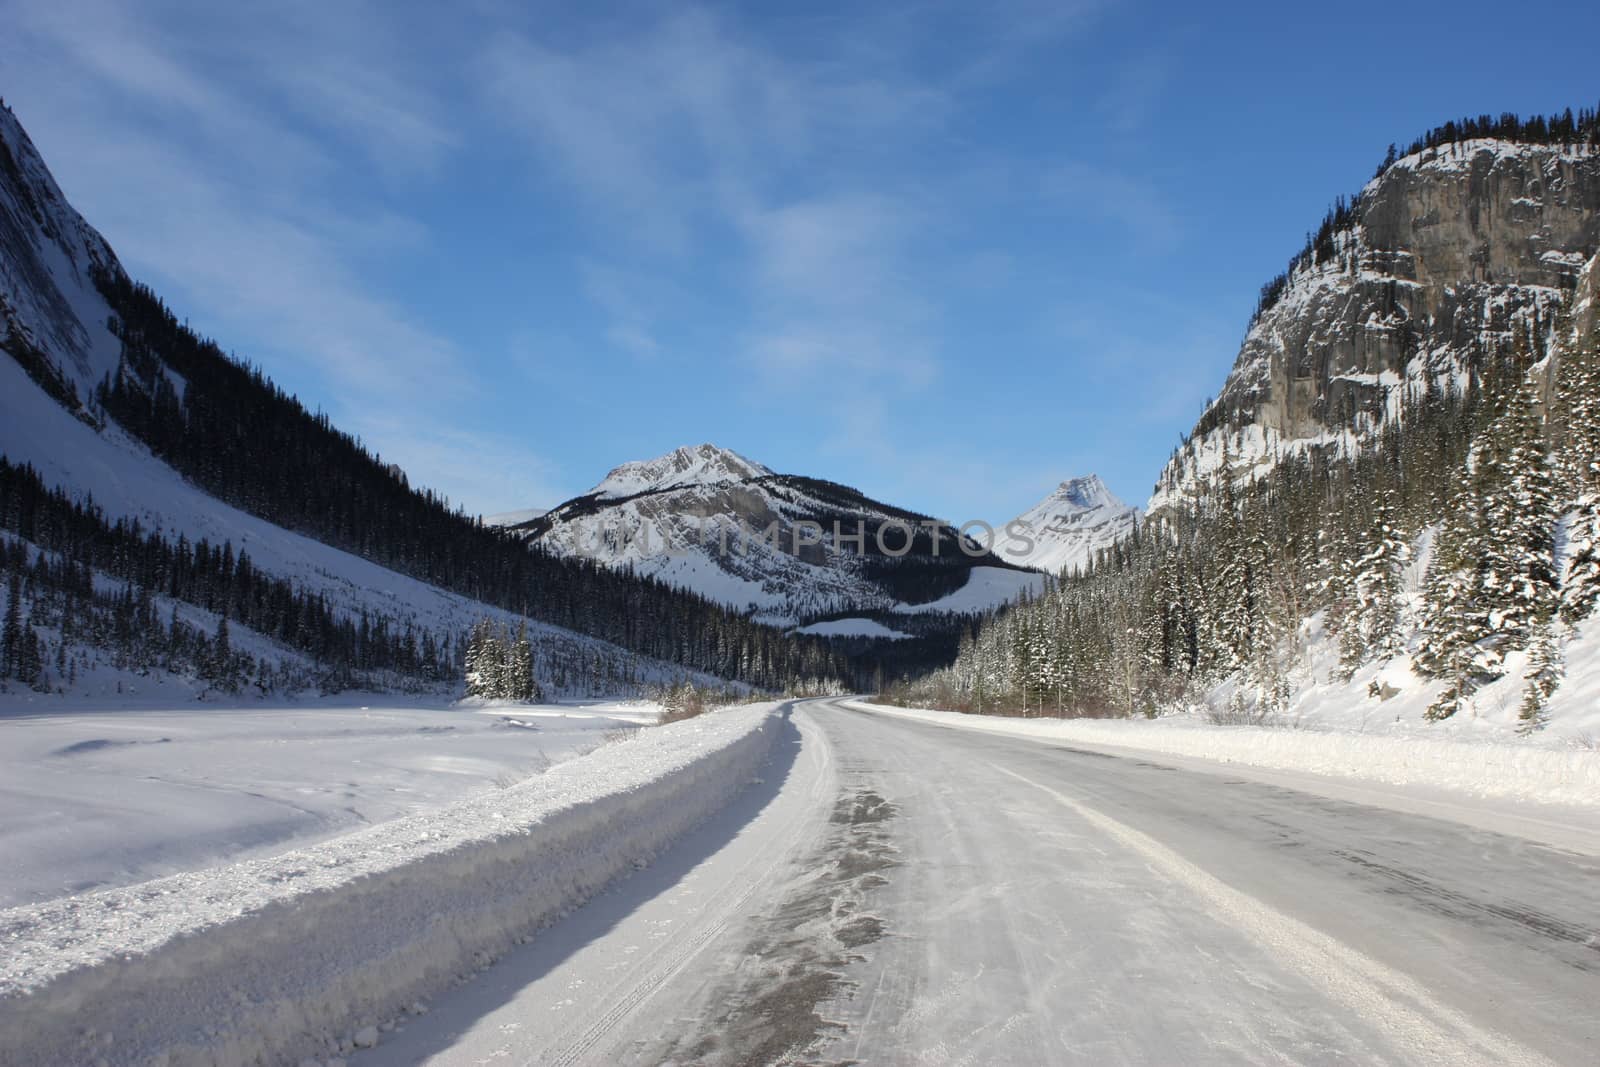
94, 798
838, 885
320, 948
896, 892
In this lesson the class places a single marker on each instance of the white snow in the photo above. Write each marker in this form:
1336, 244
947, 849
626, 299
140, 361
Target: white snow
97, 798
514, 518
293, 950
851, 628
1068, 527
1522, 772
987, 588
124, 479
689, 466
1462, 155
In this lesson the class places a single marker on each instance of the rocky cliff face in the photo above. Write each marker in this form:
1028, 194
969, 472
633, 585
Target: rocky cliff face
52, 318
1450, 256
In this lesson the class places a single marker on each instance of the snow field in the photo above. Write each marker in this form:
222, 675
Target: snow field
91, 799
986, 588
302, 954
851, 628
1511, 771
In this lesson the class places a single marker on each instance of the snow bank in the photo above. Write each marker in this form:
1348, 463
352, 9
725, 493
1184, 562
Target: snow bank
275, 959
93, 799
1482, 768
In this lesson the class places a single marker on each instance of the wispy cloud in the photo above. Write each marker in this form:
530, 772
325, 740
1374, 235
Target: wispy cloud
203, 140
688, 137
785, 202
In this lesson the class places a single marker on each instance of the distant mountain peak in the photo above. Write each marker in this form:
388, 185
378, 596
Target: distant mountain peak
1087, 492
783, 547
1079, 518
703, 464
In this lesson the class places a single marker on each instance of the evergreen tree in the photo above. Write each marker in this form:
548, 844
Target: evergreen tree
30, 660
482, 661
1372, 625
1545, 670
11, 635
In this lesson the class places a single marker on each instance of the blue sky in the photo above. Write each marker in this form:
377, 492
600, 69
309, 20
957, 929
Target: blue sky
948, 253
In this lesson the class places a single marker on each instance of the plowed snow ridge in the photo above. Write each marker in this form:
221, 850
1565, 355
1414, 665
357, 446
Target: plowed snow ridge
265, 961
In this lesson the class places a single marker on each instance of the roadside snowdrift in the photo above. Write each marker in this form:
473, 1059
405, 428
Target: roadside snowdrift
314, 950
1515, 771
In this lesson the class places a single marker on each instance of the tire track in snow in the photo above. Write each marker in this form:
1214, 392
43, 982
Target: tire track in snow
734, 908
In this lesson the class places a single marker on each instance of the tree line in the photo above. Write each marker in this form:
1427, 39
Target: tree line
1560, 129
227, 427
1466, 487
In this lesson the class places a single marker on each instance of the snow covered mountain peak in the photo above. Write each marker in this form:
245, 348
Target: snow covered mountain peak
1079, 518
705, 464
777, 546
1087, 492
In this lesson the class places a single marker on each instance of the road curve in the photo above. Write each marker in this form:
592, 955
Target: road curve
898, 892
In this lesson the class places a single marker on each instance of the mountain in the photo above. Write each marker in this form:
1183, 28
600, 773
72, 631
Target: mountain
707, 519
1067, 528
1394, 499
170, 517
1453, 255
54, 317
682, 468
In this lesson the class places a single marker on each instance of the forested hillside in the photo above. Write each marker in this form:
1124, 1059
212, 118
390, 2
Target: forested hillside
107, 350
1444, 517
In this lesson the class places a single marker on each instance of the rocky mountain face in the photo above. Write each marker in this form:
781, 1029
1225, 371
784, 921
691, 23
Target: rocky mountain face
709, 520
1065, 530
1450, 256
681, 468
52, 318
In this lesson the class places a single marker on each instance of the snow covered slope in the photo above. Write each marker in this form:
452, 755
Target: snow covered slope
1079, 518
55, 347
699, 465
513, 518
707, 519
1448, 256
986, 588
852, 628
125, 480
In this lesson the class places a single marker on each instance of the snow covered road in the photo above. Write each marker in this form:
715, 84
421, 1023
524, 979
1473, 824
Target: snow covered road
898, 892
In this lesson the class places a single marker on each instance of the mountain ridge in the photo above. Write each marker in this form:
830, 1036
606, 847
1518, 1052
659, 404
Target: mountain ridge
1419, 281
711, 520
139, 453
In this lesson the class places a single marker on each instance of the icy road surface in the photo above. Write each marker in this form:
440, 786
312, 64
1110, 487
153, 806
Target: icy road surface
898, 892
